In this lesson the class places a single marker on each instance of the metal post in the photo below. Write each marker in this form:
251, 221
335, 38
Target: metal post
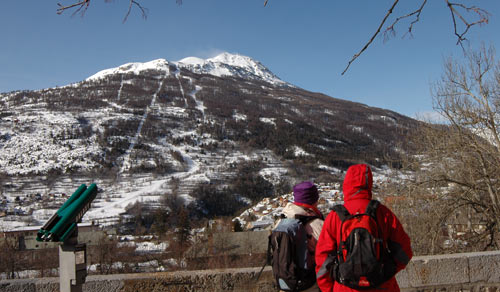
72, 266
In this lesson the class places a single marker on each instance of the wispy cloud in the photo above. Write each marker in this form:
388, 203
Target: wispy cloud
209, 53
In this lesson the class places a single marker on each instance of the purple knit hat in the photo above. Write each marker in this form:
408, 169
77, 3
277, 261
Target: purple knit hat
305, 193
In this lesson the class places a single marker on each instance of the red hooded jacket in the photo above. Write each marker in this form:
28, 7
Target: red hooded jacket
357, 194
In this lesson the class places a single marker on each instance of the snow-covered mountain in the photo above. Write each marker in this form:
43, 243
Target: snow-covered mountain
225, 64
147, 131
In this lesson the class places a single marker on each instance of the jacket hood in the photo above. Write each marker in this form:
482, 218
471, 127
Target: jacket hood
291, 210
358, 183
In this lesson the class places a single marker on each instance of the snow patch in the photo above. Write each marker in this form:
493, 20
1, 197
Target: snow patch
298, 151
239, 117
389, 120
270, 121
332, 170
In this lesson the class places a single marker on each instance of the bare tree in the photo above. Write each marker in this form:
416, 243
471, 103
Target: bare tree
8, 258
46, 261
13, 259
462, 16
459, 165
104, 254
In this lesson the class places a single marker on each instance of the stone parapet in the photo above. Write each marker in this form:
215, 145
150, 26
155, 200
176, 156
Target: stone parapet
474, 272
479, 271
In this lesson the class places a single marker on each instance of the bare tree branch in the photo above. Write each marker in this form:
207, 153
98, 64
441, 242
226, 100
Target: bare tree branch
390, 29
143, 10
483, 18
82, 4
481, 15
389, 12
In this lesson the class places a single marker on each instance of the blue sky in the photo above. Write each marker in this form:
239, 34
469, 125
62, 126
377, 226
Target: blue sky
306, 43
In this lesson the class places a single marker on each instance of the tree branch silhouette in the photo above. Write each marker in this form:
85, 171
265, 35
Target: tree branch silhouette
389, 12
463, 18
481, 15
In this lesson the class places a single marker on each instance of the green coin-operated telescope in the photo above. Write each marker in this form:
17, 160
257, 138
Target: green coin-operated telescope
63, 223
62, 227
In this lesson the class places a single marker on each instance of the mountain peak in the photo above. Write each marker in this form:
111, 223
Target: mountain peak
225, 64
234, 60
226, 58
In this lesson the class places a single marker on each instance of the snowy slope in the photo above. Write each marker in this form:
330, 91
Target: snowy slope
143, 131
134, 68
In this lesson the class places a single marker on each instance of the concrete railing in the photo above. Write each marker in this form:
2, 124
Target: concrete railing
473, 272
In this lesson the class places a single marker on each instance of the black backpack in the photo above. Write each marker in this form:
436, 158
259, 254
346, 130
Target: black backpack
288, 254
363, 259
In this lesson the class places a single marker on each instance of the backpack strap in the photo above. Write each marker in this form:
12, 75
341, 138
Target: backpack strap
269, 255
341, 212
305, 219
371, 209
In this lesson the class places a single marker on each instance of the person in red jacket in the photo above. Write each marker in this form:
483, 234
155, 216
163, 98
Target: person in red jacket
357, 189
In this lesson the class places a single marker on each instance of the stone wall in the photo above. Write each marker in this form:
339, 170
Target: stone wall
454, 272
475, 272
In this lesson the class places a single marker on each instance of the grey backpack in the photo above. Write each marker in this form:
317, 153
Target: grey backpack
288, 254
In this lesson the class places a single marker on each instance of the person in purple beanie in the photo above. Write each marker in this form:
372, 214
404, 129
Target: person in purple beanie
305, 201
